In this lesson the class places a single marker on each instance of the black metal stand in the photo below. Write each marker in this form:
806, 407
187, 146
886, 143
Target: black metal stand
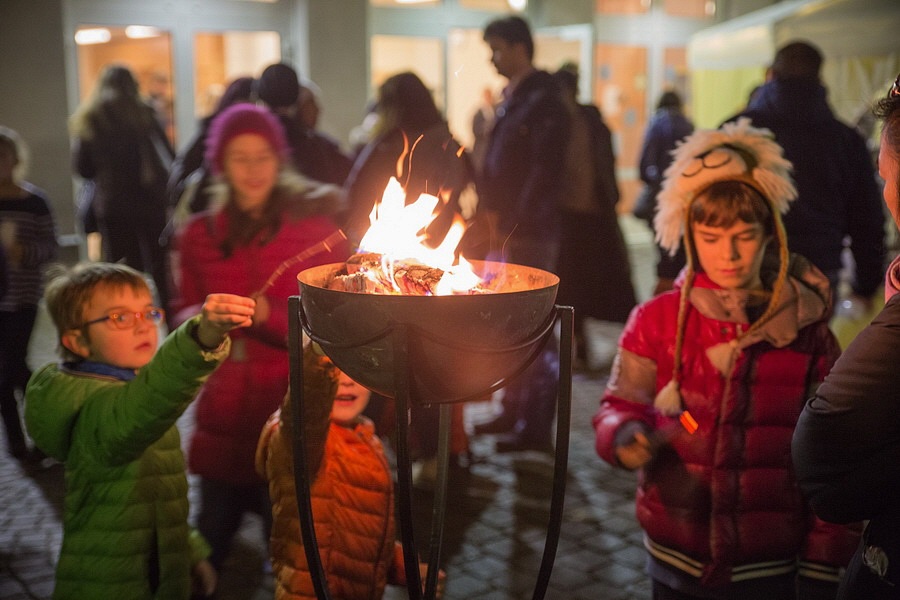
402, 336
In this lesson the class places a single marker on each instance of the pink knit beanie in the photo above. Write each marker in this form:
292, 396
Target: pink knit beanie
238, 119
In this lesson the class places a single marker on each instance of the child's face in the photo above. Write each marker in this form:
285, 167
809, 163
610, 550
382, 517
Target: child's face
731, 256
351, 399
102, 342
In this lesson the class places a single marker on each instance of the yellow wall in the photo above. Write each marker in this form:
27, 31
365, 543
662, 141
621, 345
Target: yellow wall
719, 94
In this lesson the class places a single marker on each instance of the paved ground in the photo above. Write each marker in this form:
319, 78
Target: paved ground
493, 537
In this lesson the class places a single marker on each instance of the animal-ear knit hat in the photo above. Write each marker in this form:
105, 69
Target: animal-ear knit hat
236, 120
735, 152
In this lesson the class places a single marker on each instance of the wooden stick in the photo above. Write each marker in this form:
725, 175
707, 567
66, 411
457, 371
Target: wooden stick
324, 246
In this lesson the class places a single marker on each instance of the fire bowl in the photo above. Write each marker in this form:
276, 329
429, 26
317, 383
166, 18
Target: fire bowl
458, 346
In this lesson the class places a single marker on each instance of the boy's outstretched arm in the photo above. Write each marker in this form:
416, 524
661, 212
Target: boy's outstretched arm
220, 314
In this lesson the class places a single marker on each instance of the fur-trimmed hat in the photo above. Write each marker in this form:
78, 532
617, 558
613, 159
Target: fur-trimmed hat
238, 119
736, 152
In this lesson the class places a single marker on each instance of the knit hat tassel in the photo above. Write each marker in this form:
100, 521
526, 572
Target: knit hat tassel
723, 356
668, 400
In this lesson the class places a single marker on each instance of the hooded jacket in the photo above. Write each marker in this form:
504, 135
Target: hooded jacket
721, 505
835, 176
126, 505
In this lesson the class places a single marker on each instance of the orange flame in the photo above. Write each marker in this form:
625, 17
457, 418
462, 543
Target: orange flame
397, 232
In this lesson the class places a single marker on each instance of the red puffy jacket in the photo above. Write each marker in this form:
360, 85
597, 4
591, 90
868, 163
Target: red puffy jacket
722, 505
238, 398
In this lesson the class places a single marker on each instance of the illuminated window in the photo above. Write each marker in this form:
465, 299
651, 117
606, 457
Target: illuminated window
404, 3
495, 5
695, 9
622, 7
146, 51
222, 56
392, 54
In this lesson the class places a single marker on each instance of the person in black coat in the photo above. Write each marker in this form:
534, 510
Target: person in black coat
667, 128
188, 170
846, 447
838, 192
412, 142
594, 269
314, 155
120, 144
520, 191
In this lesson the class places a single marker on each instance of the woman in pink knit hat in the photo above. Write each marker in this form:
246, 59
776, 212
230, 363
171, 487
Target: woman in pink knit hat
263, 214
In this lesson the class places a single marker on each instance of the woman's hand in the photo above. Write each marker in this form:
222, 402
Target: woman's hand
263, 310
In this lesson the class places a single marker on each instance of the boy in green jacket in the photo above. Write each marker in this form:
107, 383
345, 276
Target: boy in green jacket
108, 411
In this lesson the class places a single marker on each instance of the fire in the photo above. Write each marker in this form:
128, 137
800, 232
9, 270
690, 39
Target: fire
397, 233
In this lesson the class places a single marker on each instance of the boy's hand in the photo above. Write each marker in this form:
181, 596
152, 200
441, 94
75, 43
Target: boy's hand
636, 454
204, 579
220, 314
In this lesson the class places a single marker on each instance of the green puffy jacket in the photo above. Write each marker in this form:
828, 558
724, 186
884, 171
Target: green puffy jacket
126, 504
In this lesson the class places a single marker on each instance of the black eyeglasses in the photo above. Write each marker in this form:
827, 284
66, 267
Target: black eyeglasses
895, 89
127, 320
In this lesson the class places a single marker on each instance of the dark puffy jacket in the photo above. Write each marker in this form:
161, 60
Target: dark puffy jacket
838, 194
126, 490
521, 178
722, 504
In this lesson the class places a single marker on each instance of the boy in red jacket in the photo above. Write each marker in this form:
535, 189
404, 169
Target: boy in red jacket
711, 377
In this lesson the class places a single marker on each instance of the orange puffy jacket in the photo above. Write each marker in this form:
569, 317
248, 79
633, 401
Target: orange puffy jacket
352, 500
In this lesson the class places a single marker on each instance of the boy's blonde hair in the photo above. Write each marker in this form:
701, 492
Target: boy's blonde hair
69, 290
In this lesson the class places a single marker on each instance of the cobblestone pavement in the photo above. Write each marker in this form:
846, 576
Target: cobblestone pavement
493, 535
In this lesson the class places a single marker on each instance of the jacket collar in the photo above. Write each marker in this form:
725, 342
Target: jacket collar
102, 369
805, 299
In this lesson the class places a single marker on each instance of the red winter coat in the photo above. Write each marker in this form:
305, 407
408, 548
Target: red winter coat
722, 505
237, 399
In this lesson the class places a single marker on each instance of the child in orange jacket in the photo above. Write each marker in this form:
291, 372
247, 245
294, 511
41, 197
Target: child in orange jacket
352, 491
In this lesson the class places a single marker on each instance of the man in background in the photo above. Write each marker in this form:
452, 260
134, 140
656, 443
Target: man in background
839, 198
519, 190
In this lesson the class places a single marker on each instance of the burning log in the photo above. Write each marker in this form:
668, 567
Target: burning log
417, 280
372, 273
